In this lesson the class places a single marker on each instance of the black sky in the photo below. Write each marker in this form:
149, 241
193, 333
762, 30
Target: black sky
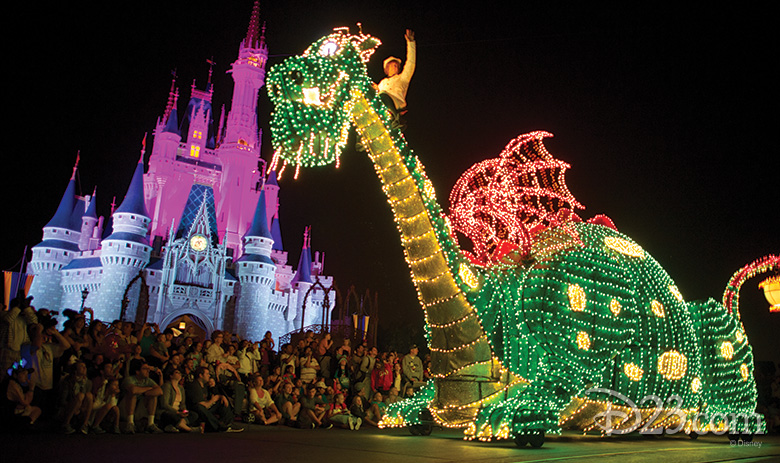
666, 116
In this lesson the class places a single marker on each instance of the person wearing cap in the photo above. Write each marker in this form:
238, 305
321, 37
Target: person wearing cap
19, 394
393, 88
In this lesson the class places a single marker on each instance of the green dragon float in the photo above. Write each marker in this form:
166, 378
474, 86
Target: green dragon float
551, 322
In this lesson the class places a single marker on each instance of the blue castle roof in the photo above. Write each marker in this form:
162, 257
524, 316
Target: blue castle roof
134, 199
79, 209
303, 273
58, 244
276, 234
85, 262
172, 125
260, 222
62, 217
92, 208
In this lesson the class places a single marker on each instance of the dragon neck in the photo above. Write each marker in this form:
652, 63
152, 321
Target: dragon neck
455, 336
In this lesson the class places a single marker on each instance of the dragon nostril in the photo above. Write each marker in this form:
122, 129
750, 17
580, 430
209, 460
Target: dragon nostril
296, 77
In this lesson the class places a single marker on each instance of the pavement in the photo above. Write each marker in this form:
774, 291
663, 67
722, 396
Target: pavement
282, 444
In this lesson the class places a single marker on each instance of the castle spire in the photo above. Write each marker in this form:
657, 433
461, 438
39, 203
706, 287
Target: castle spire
252, 36
134, 199
303, 273
259, 225
173, 96
62, 218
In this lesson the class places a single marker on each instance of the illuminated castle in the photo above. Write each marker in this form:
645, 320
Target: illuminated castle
191, 237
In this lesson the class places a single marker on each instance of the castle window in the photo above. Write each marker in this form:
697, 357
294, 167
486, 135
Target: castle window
194, 151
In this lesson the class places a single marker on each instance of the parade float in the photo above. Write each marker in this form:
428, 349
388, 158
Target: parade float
550, 321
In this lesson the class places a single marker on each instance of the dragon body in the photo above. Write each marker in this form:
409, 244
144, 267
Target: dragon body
574, 324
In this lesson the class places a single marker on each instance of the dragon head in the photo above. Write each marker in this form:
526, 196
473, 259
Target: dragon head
312, 93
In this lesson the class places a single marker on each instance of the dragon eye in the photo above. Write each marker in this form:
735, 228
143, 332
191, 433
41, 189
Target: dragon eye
297, 77
329, 48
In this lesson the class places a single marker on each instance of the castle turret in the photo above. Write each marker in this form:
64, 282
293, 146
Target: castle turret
257, 276
59, 246
301, 283
240, 147
88, 222
126, 251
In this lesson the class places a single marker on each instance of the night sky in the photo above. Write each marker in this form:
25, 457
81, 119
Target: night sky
665, 115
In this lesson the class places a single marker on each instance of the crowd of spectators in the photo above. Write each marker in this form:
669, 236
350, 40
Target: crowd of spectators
97, 377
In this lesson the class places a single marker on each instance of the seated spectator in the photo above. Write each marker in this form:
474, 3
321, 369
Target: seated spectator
314, 408
357, 410
141, 387
212, 409
261, 405
18, 397
287, 403
228, 383
340, 416
392, 396
377, 410
105, 406
196, 353
76, 399
175, 417
345, 350
342, 374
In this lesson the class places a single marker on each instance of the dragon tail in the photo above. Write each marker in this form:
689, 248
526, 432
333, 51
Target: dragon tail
731, 294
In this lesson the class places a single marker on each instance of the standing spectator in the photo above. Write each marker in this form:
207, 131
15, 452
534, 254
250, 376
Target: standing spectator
288, 358
13, 331
366, 368
43, 354
215, 351
248, 356
309, 366
269, 339
141, 386
158, 352
412, 368
382, 376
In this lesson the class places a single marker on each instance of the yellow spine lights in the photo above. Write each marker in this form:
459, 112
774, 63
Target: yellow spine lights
624, 246
614, 307
696, 385
727, 350
676, 293
577, 298
633, 371
657, 308
672, 365
583, 340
